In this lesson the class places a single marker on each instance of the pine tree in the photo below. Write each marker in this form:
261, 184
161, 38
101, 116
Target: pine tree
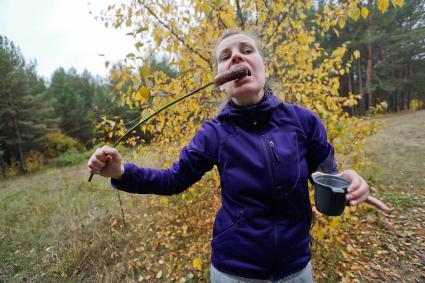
26, 118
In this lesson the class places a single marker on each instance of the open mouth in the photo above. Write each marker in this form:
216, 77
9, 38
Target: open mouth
241, 81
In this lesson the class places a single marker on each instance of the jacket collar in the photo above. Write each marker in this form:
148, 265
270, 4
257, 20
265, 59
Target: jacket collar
253, 115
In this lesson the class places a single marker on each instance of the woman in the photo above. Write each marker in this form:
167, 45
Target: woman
265, 151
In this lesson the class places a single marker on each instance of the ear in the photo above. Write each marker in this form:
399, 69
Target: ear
266, 71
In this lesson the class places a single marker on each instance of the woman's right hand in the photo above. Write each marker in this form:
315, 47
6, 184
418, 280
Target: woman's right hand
106, 162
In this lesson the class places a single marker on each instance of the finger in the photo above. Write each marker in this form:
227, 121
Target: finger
94, 168
94, 171
353, 177
110, 151
359, 194
356, 184
100, 155
98, 163
317, 173
378, 204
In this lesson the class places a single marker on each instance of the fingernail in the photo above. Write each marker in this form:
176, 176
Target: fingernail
353, 202
349, 197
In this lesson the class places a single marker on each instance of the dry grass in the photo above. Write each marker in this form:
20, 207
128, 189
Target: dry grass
55, 226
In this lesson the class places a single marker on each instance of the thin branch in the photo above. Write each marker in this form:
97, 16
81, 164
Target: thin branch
175, 34
279, 23
239, 11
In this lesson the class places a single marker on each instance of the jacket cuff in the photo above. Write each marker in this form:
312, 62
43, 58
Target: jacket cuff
123, 183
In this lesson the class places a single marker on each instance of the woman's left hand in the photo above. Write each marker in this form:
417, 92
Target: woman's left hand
358, 191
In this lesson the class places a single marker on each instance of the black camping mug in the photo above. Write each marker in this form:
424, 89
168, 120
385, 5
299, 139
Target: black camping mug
329, 194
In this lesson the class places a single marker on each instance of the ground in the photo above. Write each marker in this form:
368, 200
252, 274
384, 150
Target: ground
391, 248
55, 226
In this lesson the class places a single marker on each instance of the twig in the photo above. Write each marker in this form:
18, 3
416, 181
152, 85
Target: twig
122, 212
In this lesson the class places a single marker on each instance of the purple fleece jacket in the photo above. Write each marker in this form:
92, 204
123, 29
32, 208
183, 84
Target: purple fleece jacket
265, 154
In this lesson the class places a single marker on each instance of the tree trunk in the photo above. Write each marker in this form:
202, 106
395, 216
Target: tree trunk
19, 146
350, 91
360, 79
14, 113
1, 167
369, 67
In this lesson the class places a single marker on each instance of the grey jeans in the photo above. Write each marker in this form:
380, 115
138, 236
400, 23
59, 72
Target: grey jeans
303, 276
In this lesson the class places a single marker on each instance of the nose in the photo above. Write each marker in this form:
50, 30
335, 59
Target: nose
236, 57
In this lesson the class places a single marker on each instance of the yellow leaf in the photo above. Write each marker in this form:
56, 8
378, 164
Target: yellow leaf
157, 35
302, 38
308, 4
128, 23
165, 200
334, 222
119, 85
228, 20
336, 32
397, 2
382, 5
355, 13
142, 94
327, 10
342, 72
145, 71
166, 9
197, 263
341, 23
364, 12
356, 54
320, 233
204, 7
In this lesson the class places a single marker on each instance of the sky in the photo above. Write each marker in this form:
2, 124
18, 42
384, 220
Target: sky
62, 33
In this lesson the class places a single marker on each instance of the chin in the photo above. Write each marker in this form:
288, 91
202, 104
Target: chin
243, 92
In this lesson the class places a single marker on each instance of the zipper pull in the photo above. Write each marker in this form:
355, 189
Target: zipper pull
276, 156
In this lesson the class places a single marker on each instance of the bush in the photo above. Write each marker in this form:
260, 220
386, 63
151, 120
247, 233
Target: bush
35, 160
69, 157
73, 156
57, 143
11, 170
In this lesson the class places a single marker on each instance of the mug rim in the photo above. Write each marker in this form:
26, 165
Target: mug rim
317, 180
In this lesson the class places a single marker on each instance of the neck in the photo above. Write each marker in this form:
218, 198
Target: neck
250, 100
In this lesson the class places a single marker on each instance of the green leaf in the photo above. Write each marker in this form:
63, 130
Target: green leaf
355, 13
145, 71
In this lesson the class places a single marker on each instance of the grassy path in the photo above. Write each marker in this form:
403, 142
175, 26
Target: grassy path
392, 248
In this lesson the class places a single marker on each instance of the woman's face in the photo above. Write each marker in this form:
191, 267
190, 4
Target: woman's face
240, 50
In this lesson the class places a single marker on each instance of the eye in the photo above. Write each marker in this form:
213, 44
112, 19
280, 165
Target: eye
248, 51
224, 57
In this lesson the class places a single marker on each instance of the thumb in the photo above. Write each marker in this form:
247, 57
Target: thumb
110, 152
317, 173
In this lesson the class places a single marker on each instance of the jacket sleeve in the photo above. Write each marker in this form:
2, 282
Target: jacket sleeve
195, 159
320, 154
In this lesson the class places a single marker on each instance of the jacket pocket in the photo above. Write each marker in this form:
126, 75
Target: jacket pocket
285, 159
225, 223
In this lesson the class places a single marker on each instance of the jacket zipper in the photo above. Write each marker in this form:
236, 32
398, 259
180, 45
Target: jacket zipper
274, 220
275, 245
269, 165
276, 156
